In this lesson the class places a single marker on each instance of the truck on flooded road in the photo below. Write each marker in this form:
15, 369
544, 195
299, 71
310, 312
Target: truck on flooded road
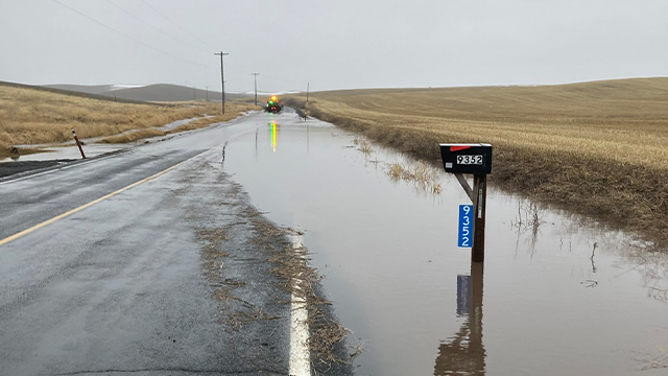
273, 105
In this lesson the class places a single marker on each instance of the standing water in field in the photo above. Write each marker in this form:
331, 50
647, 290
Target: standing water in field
558, 295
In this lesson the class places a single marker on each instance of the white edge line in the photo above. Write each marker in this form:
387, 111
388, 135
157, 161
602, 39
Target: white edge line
300, 356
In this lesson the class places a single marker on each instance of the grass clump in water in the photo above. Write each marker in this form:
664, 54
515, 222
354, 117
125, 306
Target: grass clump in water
420, 173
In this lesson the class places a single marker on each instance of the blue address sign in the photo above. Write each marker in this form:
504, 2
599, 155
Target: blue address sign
465, 237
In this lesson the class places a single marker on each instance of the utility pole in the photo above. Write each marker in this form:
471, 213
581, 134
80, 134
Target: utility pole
194, 94
308, 88
255, 74
222, 76
207, 93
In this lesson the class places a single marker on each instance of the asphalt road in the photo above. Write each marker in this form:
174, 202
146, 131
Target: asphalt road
163, 278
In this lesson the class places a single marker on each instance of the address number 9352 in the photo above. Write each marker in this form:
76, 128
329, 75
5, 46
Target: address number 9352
469, 159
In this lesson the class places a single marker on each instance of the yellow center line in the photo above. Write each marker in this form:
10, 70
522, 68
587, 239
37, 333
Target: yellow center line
82, 207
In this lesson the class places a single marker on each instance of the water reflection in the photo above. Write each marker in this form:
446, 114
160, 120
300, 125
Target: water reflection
273, 129
593, 254
652, 264
528, 219
464, 354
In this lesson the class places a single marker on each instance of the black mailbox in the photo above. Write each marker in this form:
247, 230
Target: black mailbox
467, 158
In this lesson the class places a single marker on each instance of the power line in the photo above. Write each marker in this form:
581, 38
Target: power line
177, 25
155, 27
129, 37
284, 80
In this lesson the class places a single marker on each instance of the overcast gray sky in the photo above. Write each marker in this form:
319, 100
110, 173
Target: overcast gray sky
334, 44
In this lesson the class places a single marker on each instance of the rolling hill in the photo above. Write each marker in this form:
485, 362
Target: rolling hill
149, 93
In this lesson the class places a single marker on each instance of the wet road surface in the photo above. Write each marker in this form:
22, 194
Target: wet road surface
164, 278
560, 294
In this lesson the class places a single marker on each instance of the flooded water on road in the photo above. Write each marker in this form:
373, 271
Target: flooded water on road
558, 295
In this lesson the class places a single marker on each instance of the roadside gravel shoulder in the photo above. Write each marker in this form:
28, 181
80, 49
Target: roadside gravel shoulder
250, 265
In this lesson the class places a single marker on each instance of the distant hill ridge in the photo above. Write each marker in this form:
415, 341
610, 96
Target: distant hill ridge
622, 88
619, 88
148, 93
74, 93
88, 89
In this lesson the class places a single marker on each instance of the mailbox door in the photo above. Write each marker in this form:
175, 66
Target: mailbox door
467, 158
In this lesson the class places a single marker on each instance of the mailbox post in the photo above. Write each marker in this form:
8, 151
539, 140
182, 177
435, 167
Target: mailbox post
473, 159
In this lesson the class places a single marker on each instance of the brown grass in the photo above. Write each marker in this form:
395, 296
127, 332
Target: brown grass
232, 111
596, 148
31, 116
301, 281
132, 136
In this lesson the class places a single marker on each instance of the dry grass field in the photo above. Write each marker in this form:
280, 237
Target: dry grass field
597, 148
34, 116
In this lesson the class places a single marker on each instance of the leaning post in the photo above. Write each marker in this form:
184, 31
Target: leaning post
83, 156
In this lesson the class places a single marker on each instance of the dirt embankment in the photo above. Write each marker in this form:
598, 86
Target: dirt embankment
554, 164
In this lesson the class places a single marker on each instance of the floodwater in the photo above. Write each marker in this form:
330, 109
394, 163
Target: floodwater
68, 152
558, 294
